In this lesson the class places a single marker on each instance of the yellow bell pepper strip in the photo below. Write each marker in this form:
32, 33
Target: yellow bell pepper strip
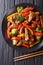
37, 13
21, 35
31, 45
30, 31
14, 14
9, 29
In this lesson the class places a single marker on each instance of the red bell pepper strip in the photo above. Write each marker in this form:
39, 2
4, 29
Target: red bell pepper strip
16, 38
27, 26
25, 14
34, 22
31, 9
26, 45
38, 34
26, 11
8, 30
19, 26
31, 39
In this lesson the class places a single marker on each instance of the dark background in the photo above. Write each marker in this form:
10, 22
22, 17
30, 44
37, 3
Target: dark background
6, 52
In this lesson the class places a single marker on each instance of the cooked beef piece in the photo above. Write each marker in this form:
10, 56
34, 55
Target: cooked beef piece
41, 20
13, 18
17, 22
31, 16
26, 35
21, 30
37, 18
26, 21
19, 43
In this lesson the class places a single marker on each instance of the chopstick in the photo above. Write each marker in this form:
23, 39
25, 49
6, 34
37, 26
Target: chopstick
26, 56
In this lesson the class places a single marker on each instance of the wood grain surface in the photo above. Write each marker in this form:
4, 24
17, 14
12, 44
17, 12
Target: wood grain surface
6, 52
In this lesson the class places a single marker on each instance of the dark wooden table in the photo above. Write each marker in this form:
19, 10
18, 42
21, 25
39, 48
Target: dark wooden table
6, 52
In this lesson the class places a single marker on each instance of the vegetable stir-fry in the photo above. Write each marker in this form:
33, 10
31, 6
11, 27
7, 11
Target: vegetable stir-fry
24, 27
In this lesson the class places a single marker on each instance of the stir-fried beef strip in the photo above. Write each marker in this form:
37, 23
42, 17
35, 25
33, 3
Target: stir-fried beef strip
17, 22
31, 16
26, 21
41, 20
37, 17
19, 43
21, 30
26, 35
